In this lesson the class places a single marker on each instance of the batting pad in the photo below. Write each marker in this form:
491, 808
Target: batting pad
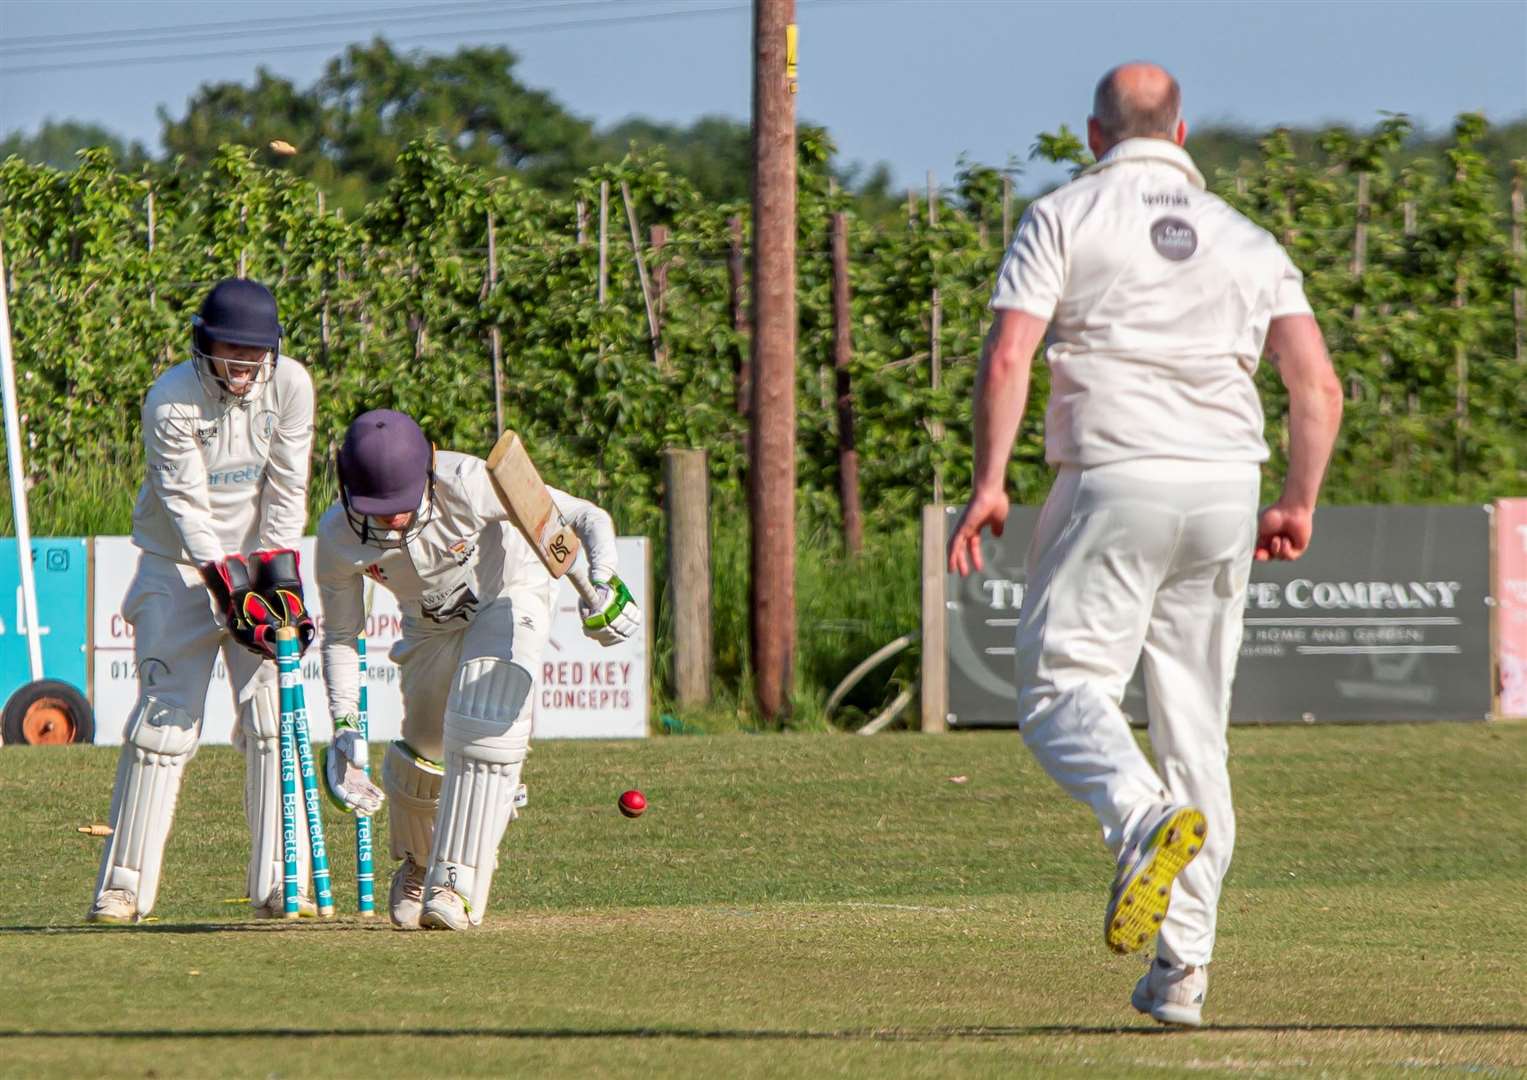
487, 735
412, 784
260, 721
159, 741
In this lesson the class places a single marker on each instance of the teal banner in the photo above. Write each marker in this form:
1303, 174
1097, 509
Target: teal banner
63, 577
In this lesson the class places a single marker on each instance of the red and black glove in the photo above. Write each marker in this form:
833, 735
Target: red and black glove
244, 611
278, 580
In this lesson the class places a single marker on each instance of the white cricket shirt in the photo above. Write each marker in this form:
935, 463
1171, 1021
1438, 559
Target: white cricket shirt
224, 478
1158, 296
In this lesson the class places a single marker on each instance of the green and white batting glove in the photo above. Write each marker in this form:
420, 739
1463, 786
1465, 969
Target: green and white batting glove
616, 618
344, 770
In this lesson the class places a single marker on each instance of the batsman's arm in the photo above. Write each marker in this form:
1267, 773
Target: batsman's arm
178, 476
283, 501
342, 589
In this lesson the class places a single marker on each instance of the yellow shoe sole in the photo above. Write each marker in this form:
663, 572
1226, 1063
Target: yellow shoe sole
1139, 905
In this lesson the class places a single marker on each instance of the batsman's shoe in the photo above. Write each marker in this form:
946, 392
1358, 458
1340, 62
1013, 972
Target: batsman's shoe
115, 907
274, 906
1142, 888
405, 900
1172, 995
445, 909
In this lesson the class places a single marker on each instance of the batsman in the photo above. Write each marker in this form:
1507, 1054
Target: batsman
226, 435
477, 599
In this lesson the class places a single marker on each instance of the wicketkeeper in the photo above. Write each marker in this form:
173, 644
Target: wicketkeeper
227, 436
1159, 299
477, 608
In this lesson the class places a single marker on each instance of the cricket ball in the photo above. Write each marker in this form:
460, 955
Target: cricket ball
632, 803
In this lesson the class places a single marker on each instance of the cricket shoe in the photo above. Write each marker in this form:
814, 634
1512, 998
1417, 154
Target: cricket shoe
445, 909
1172, 995
115, 907
1142, 887
274, 906
405, 900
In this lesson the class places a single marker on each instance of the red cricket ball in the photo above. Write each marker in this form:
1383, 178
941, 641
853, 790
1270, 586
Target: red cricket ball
632, 803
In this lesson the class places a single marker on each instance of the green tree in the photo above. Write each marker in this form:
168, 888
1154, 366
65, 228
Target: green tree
58, 142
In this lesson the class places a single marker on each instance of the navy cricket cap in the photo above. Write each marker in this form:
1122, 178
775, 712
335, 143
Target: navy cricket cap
240, 312
384, 463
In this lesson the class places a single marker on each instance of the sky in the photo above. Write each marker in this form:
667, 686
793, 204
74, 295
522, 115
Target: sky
914, 83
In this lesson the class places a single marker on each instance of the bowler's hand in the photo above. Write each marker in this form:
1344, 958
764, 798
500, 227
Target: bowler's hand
1283, 532
985, 510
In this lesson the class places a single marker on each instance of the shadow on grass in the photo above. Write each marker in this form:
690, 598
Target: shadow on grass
260, 926
932, 1034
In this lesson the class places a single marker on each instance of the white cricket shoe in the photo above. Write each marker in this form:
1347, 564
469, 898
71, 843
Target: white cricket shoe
274, 906
115, 907
405, 900
1165, 842
1172, 995
445, 909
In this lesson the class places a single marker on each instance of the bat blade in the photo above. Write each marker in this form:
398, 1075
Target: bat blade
524, 495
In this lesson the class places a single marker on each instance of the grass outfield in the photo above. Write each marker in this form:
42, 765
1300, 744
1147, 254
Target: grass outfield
802, 906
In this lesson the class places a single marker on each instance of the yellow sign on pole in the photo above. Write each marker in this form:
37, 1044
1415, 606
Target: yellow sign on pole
791, 36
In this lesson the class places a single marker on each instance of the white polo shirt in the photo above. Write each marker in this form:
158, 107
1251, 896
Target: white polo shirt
1158, 296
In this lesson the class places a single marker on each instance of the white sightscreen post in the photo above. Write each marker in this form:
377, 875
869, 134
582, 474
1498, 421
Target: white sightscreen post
18, 480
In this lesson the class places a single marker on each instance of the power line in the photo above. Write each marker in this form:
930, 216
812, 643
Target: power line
528, 28
172, 31
266, 27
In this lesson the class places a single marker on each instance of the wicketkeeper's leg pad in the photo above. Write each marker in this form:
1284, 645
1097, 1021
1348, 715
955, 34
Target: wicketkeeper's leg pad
487, 735
260, 727
159, 741
412, 783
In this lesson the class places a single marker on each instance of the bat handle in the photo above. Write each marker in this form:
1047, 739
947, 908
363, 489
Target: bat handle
586, 589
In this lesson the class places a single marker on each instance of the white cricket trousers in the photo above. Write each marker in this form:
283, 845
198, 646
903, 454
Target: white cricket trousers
1143, 561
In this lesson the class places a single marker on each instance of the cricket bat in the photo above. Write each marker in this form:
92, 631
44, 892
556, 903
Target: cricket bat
524, 495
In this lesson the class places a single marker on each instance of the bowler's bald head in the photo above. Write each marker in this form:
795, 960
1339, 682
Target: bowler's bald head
1137, 100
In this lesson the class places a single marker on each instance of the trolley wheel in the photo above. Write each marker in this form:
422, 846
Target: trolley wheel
48, 712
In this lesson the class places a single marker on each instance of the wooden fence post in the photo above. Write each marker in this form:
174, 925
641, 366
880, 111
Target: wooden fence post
641, 272
743, 372
687, 482
493, 335
1518, 294
657, 239
842, 356
935, 673
582, 211
604, 239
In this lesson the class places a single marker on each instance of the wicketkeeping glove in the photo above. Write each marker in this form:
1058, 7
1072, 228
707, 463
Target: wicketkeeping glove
616, 618
344, 776
278, 580
243, 610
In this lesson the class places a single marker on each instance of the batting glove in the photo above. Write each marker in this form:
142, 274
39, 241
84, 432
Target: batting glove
615, 618
345, 761
278, 579
242, 609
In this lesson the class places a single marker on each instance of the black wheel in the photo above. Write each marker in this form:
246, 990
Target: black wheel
48, 712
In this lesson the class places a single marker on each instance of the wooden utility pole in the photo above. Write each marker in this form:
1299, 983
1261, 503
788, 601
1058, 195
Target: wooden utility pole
842, 355
771, 492
1007, 210
604, 239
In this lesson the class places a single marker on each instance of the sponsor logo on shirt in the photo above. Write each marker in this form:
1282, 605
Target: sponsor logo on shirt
462, 551
247, 474
1176, 198
375, 572
1173, 238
